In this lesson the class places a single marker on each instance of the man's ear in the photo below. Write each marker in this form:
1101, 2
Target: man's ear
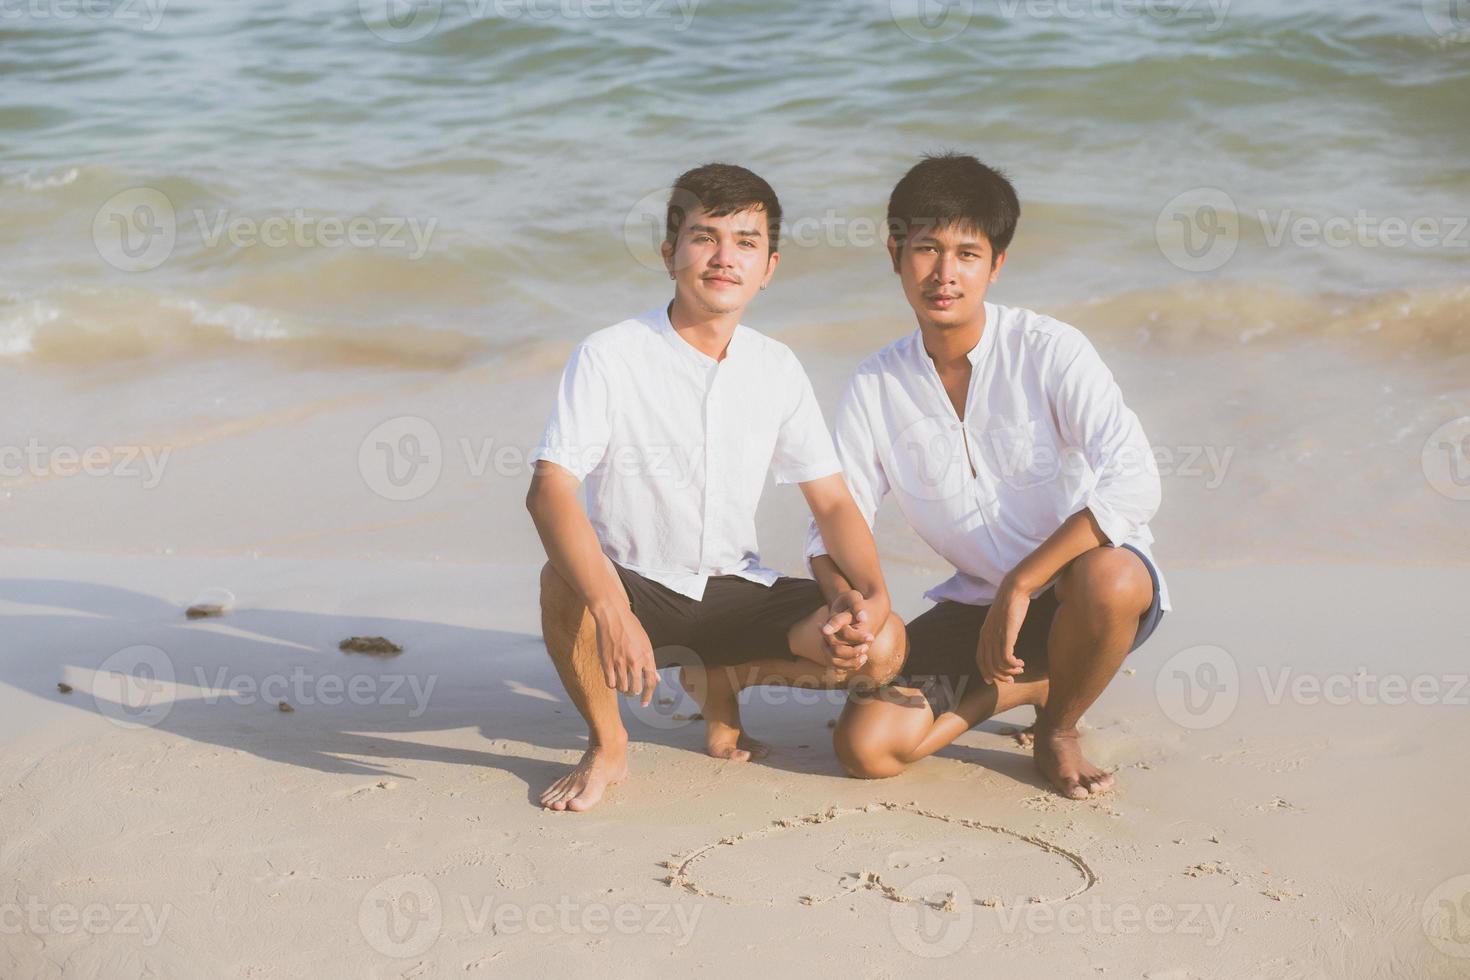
667, 251
773, 260
894, 250
997, 262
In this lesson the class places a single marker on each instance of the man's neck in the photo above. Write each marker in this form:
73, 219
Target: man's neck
950, 346
709, 333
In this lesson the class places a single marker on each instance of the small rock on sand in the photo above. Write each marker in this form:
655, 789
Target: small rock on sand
211, 602
283, 706
63, 687
377, 645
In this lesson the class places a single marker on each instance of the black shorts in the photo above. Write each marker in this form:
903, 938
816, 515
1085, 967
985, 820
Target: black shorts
736, 622
943, 641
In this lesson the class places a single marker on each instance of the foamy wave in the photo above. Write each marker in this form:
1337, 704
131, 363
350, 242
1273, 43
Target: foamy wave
33, 181
102, 325
1428, 322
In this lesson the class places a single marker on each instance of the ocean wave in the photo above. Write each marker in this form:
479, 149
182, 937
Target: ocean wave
94, 326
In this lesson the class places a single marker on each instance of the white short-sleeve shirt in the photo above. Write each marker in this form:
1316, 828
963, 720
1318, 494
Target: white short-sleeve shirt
675, 446
1045, 434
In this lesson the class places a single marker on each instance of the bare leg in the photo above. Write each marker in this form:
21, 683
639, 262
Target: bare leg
571, 640
1102, 593
878, 736
714, 690
717, 689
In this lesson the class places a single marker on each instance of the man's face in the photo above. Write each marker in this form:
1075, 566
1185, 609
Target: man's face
719, 264
946, 272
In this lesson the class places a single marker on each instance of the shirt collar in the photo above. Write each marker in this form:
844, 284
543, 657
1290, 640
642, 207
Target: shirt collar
977, 353
687, 350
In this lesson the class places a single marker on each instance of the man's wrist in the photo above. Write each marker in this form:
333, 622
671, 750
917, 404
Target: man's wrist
1015, 584
607, 612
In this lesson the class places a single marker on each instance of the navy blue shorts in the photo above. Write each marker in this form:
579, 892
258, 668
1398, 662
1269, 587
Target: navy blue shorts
942, 642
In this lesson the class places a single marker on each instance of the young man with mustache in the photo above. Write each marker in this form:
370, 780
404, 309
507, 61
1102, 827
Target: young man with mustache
1010, 450
673, 419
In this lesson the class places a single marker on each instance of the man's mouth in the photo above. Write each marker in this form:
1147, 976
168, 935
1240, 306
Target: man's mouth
942, 300
721, 281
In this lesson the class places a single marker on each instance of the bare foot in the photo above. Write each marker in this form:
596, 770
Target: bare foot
1059, 758
581, 789
1026, 737
734, 745
719, 701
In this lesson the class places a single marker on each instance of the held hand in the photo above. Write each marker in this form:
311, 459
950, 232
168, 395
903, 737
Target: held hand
995, 654
848, 630
627, 657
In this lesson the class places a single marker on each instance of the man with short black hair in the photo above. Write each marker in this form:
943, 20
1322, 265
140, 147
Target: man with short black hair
673, 419
1010, 451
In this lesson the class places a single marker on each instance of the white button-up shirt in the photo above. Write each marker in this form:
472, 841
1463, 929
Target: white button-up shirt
674, 446
1045, 434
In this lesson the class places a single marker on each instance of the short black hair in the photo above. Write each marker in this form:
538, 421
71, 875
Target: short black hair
721, 189
948, 189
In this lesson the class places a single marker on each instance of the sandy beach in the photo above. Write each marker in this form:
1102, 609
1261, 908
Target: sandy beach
178, 823
285, 293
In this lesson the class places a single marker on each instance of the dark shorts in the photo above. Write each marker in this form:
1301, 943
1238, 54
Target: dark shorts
736, 622
942, 642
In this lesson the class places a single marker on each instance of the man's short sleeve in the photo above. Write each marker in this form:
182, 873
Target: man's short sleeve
577, 435
803, 446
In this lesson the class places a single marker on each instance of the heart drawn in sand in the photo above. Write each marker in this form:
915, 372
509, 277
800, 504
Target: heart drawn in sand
902, 852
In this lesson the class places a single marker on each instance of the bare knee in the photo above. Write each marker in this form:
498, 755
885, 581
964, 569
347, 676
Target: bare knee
863, 750
1110, 580
886, 656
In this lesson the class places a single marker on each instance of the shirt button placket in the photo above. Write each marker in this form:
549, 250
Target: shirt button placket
712, 473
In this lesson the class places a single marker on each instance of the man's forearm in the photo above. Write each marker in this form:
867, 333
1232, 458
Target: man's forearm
853, 555
829, 577
1077, 534
573, 549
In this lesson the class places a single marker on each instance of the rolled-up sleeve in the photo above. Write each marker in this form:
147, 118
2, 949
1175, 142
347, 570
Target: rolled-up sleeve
1092, 416
803, 445
861, 467
578, 432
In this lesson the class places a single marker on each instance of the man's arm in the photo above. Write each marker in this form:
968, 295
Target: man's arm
849, 575
1090, 414
574, 551
995, 654
865, 484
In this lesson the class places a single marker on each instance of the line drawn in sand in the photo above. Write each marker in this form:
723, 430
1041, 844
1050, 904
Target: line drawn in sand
682, 868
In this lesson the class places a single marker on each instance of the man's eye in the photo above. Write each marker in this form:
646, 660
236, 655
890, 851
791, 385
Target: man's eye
749, 243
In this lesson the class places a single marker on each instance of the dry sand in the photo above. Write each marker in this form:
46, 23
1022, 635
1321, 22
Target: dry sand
387, 827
